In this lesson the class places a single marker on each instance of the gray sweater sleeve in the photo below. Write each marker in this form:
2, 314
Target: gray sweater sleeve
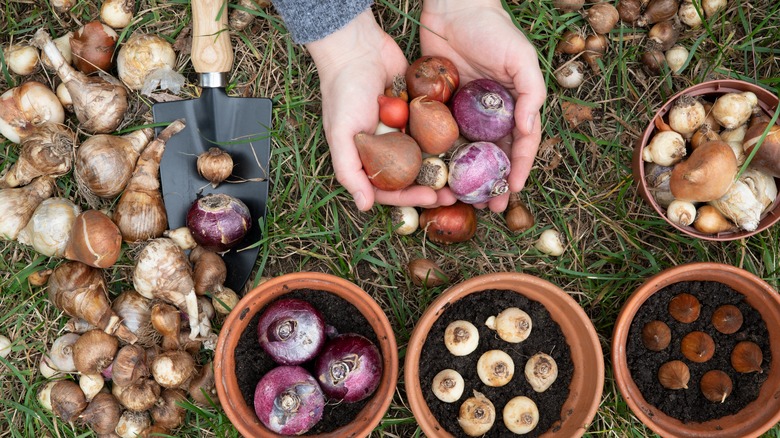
310, 20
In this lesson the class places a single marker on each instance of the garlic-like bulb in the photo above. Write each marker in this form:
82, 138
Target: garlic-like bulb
550, 243
17, 205
117, 13
657, 179
140, 212
26, 106
162, 271
81, 291
747, 199
105, 163
173, 368
136, 313
5, 346
48, 230
686, 115
570, 75
100, 102
146, 61
680, 212
665, 148
47, 150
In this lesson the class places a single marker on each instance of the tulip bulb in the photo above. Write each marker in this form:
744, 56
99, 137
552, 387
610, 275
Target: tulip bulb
94, 240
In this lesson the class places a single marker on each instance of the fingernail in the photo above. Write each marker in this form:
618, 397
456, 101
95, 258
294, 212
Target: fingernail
360, 201
531, 120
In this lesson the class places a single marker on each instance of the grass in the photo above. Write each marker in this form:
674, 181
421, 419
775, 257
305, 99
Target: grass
581, 185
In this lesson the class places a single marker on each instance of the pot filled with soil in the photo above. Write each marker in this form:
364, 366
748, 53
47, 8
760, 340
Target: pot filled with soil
307, 354
695, 352
502, 354
704, 192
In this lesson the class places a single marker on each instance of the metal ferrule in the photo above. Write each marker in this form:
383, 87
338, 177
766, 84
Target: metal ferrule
213, 80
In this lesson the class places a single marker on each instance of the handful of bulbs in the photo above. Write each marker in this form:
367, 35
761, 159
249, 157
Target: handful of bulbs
695, 163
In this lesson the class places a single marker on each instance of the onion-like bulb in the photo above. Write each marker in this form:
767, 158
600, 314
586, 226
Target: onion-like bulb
215, 165
81, 291
94, 351
512, 324
67, 400
17, 205
209, 270
48, 230
202, 387
687, 115
168, 411
129, 366
26, 106
461, 338
102, 413
94, 240
60, 356
105, 163
146, 61
520, 415
448, 385
162, 271
139, 396
495, 368
93, 46
47, 150
541, 371
140, 212
100, 102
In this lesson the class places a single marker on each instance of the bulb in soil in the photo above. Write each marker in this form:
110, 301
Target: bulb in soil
521, 415
448, 385
512, 324
674, 375
541, 371
495, 368
461, 338
656, 335
476, 415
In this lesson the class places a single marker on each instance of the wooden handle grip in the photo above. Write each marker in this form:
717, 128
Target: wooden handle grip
211, 48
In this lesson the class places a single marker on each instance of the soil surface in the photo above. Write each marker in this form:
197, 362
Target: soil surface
252, 362
689, 404
546, 336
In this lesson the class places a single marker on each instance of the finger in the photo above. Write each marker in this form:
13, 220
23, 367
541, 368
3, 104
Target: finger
498, 204
349, 168
523, 153
532, 93
408, 197
444, 197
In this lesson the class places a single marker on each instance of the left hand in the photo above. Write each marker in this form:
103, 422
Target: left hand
479, 37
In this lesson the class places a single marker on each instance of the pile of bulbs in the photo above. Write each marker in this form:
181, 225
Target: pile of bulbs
664, 19
693, 160
495, 368
124, 366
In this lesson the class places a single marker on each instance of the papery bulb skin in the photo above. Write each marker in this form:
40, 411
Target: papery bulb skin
17, 205
218, 221
48, 230
478, 172
288, 400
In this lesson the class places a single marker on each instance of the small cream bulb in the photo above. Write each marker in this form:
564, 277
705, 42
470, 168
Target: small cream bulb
541, 371
512, 324
550, 243
520, 415
461, 338
476, 415
448, 385
495, 368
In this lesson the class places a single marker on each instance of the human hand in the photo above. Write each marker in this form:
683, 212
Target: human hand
355, 65
479, 37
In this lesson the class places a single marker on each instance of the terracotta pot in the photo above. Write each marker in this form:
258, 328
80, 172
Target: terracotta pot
588, 378
242, 415
758, 416
766, 100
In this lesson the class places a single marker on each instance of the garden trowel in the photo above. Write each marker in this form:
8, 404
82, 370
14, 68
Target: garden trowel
238, 126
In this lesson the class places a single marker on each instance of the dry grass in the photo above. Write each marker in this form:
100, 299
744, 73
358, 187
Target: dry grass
581, 185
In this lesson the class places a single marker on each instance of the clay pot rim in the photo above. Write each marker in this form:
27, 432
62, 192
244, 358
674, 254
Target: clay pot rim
753, 420
583, 401
240, 414
766, 100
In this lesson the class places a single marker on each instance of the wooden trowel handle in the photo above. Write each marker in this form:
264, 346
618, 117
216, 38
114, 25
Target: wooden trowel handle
211, 48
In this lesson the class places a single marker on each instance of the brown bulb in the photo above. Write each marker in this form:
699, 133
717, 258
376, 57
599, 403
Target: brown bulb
697, 347
656, 335
67, 400
215, 165
517, 215
715, 385
426, 272
94, 240
674, 375
746, 357
684, 308
571, 43
727, 319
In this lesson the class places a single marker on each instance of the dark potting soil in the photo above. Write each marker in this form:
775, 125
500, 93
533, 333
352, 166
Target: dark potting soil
546, 336
689, 404
252, 363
